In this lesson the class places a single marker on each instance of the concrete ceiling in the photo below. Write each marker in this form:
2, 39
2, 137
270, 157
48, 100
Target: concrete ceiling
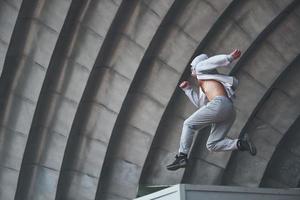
90, 107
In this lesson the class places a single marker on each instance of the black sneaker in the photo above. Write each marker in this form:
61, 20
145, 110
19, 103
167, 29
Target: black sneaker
245, 144
181, 161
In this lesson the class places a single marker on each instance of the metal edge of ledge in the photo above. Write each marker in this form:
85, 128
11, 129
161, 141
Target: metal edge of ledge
242, 189
180, 191
176, 190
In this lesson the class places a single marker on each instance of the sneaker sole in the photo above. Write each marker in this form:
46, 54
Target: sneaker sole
173, 168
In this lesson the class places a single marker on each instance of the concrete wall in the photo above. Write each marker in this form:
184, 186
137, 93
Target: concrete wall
90, 106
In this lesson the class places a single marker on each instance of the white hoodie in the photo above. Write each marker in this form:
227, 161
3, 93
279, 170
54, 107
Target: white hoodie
203, 66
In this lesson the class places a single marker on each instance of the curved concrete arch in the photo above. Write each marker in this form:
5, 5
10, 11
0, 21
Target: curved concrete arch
145, 90
93, 100
73, 58
264, 33
21, 81
125, 157
95, 116
8, 16
283, 168
267, 128
99, 106
220, 157
219, 160
168, 133
288, 46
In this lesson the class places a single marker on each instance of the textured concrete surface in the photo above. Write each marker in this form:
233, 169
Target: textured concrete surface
285, 159
90, 106
288, 112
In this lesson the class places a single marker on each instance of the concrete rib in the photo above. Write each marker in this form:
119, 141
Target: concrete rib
267, 127
69, 70
25, 67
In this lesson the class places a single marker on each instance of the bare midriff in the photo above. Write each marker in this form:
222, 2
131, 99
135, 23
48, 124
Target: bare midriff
212, 88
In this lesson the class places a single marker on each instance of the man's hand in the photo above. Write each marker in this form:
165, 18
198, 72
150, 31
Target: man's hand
184, 85
236, 54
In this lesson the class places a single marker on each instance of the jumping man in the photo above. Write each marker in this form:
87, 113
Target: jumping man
215, 108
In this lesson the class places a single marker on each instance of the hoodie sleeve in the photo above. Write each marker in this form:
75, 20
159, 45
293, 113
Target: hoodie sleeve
213, 62
198, 99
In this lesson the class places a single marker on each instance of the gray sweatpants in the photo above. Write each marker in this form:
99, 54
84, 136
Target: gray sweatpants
220, 114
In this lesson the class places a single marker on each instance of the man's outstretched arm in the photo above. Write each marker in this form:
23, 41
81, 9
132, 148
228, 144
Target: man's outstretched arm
217, 61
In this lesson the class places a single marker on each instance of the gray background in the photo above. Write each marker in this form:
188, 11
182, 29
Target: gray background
90, 106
